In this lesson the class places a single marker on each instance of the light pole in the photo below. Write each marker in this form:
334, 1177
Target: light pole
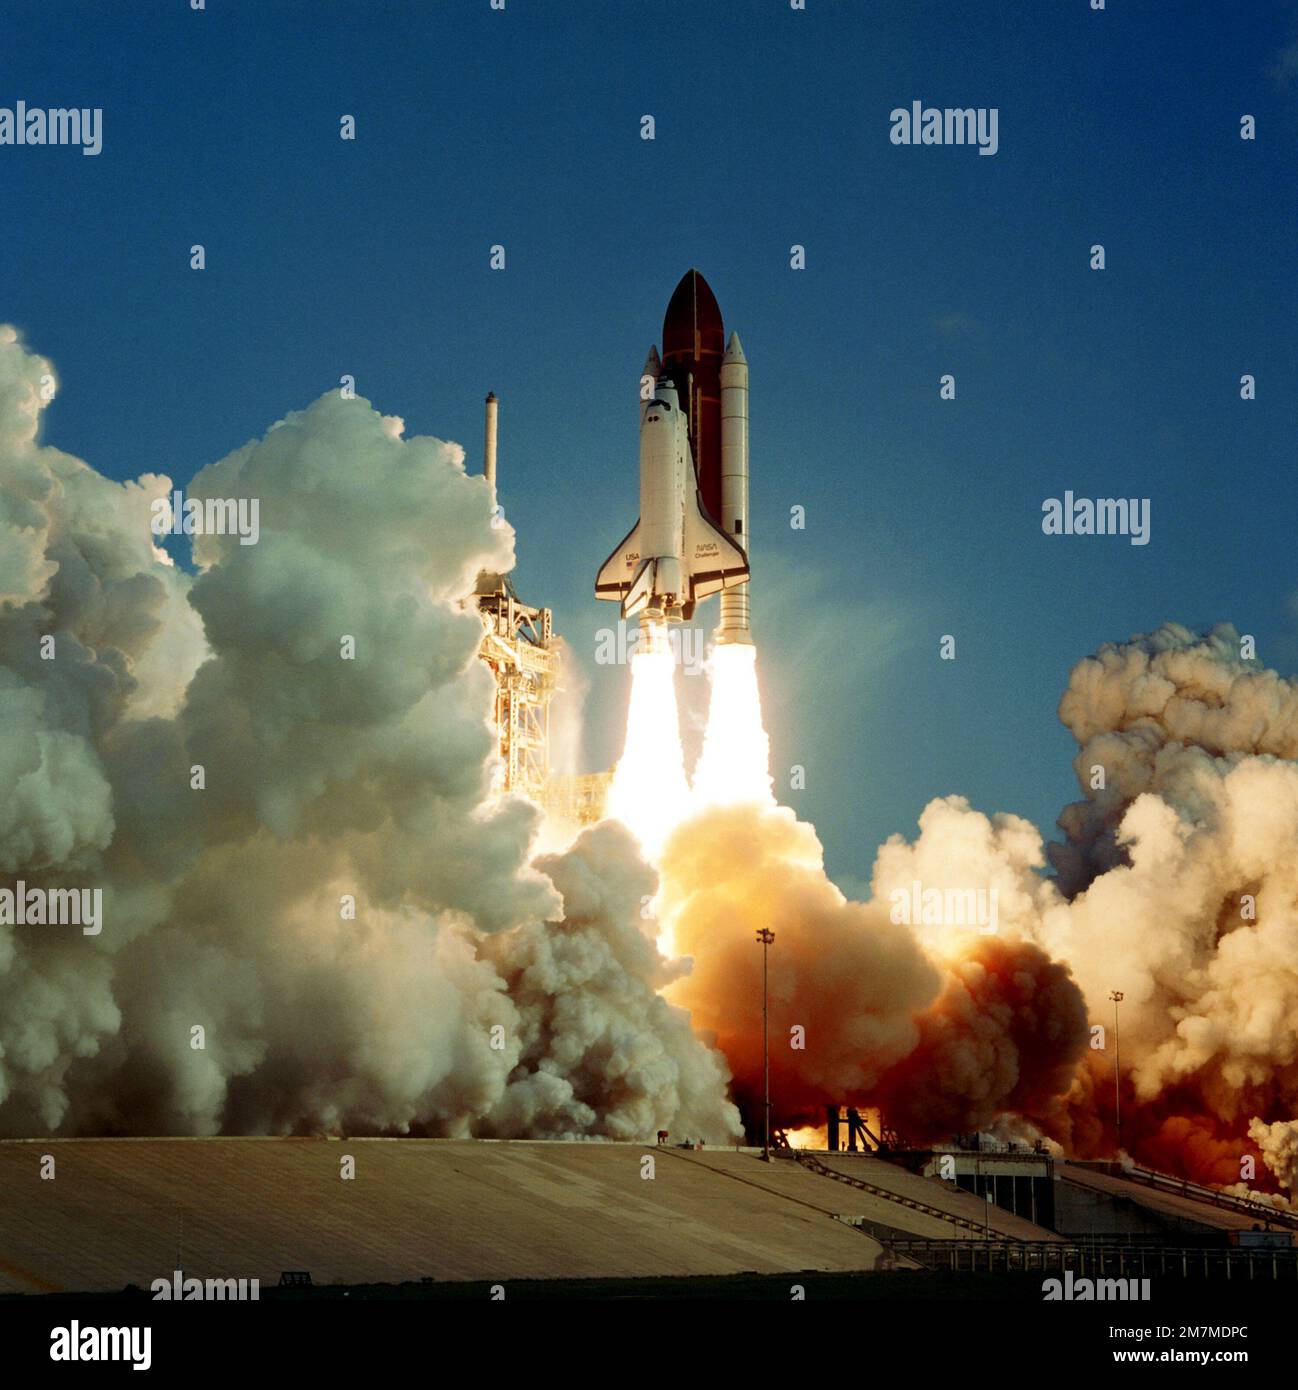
1116, 996
765, 936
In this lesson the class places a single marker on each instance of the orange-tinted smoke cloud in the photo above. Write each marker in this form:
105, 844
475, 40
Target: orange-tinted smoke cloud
860, 1012
1172, 1132
1004, 1036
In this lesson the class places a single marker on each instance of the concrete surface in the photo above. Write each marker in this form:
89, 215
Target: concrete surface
125, 1211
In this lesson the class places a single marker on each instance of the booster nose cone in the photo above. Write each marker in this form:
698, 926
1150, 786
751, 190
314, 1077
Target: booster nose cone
734, 352
692, 327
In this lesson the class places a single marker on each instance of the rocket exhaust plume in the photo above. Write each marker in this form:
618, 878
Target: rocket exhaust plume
649, 793
734, 765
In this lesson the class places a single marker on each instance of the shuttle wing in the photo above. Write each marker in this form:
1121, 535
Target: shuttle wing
618, 571
713, 560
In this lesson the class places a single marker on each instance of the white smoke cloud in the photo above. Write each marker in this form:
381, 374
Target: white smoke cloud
1279, 1147
461, 998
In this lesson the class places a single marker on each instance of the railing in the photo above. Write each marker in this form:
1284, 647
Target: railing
1117, 1260
1152, 1240
1259, 1211
1196, 1192
808, 1160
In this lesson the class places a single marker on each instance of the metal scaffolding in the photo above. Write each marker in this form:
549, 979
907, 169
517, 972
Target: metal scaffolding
519, 646
580, 799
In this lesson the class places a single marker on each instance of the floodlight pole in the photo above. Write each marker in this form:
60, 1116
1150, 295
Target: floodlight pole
1116, 996
765, 936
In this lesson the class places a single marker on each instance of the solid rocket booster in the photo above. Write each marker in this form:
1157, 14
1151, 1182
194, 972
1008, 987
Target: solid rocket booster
733, 626
690, 539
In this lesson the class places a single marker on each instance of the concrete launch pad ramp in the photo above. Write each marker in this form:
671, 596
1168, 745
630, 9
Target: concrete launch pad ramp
944, 1196
790, 1180
128, 1211
1167, 1210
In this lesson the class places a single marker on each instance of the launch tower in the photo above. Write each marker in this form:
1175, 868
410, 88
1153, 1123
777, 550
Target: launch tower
519, 645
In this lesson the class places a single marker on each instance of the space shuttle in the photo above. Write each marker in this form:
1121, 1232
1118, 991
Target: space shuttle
689, 541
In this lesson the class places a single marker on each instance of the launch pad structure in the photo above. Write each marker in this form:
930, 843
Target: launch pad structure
518, 645
523, 652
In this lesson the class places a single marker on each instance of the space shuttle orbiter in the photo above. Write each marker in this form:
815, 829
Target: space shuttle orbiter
679, 551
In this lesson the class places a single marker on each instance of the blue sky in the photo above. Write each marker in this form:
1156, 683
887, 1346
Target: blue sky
522, 128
